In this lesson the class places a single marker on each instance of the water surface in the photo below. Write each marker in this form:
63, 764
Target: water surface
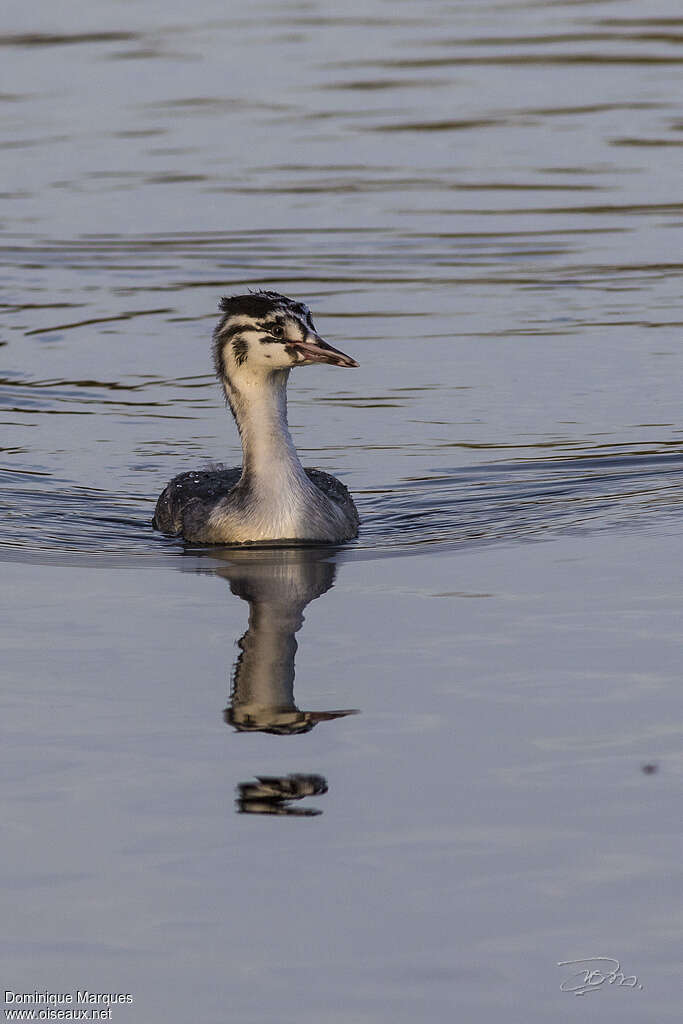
481, 203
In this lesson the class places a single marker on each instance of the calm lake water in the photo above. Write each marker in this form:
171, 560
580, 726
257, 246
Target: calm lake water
471, 767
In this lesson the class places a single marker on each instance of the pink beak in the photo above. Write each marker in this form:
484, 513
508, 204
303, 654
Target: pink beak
315, 350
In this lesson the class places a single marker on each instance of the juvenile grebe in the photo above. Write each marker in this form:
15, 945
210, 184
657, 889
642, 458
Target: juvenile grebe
259, 338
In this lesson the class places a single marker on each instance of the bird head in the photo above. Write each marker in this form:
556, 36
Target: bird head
265, 331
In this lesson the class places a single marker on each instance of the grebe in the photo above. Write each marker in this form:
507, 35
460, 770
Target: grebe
257, 341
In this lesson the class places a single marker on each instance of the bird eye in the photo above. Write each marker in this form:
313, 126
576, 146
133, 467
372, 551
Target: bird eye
277, 331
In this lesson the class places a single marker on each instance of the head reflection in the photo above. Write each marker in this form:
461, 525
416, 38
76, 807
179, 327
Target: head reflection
277, 583
275, 794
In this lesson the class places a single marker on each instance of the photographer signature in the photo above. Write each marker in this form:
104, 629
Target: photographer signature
589, 979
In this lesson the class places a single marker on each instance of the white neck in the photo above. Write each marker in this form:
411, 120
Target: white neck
270, 461
275, 499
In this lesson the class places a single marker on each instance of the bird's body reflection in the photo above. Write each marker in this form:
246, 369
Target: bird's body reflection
277, 583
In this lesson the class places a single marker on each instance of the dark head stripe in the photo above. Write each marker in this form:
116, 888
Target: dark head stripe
265, 307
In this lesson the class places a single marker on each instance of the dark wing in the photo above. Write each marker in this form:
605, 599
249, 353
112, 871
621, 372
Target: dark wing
190, 493
336, 491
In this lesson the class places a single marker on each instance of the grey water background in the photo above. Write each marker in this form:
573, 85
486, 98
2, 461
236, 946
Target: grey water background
481, 202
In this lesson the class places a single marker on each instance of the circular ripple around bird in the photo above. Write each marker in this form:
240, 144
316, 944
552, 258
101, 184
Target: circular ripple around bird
42, 520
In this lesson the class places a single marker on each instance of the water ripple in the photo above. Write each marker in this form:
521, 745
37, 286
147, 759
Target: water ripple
43, 519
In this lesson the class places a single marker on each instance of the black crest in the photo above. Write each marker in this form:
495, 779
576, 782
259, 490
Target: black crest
260, 303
